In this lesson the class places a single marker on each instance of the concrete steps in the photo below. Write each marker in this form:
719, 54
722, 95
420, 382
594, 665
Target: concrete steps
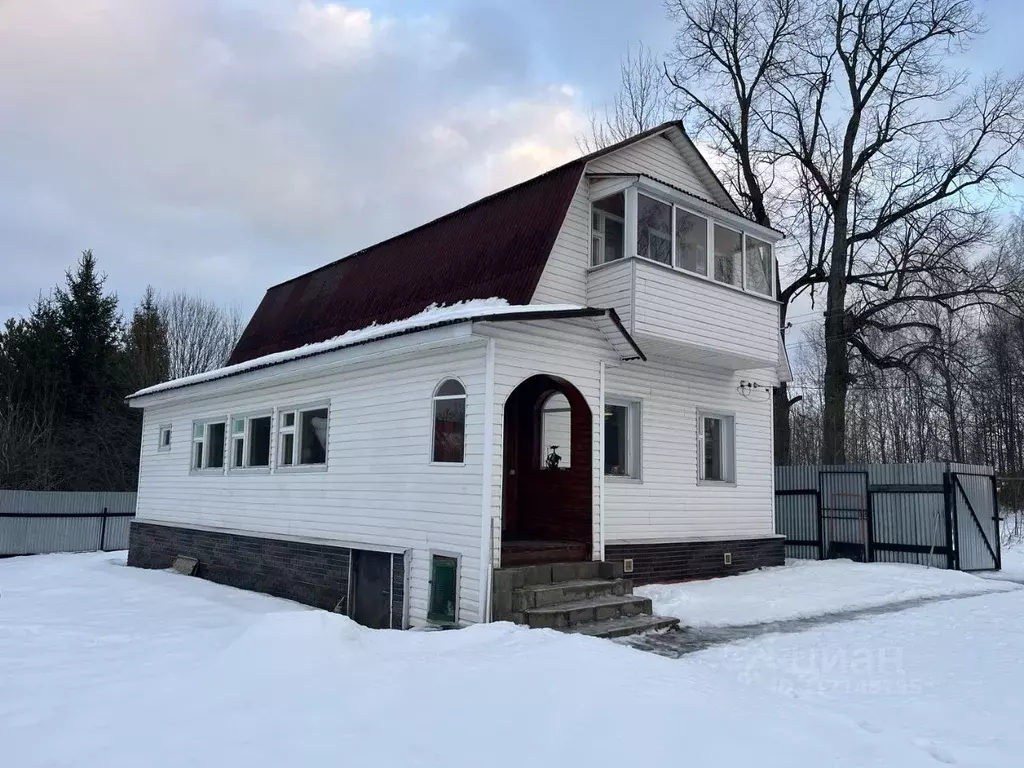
568, 615
624, 626
585, 597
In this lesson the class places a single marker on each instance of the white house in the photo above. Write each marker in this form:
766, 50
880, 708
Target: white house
575, 369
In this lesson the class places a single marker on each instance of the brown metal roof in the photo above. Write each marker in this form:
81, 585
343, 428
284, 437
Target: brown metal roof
495, 247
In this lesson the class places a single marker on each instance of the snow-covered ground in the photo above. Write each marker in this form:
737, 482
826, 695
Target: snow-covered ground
807, 588
105, 666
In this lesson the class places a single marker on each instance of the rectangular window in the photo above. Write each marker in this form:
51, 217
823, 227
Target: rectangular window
250, 442
208, 444
313, 436
654, 229
622, 438
164, 439
303, 437
214, 446
259, 442
444, 589
691, 242
716, 454
608, 229
728, 256
237, 443
758, 258
198, 431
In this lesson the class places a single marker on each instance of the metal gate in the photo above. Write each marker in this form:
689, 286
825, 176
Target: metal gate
938, 515
976, 517
845, 515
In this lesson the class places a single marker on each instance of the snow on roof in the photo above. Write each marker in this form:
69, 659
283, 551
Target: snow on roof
433, 315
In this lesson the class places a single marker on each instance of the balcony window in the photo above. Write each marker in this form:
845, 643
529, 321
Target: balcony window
691, 242
728, 256
608, 241
654, 229
758, 257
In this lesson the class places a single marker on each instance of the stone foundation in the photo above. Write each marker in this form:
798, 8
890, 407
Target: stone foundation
313, 574
684, 560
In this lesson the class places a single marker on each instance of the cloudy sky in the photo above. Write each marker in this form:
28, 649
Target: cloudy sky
221, 146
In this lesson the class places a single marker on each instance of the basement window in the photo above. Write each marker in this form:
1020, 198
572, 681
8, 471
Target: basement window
608, 224
444, 590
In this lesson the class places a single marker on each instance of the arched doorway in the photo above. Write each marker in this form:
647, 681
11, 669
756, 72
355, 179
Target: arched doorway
548, 467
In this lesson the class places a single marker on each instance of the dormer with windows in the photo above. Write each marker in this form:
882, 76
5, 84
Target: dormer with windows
689, 278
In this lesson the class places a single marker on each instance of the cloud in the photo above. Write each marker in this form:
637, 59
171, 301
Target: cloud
223, 146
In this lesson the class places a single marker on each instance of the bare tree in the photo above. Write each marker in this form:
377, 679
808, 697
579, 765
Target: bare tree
640, 104
895, 159
896, 145
200, 334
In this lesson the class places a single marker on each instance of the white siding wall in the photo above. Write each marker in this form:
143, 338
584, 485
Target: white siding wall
657, 157
611, 285
668, 504
572, 351
564, 279
689, 310
379, 490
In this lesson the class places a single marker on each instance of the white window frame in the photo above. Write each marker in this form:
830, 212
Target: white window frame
771, 267
205, 469
163, 429
728, 447
709, 227
634, 439
632, 207
594, 234
670, 235
741, 286
434, 397
245, 435
280, 431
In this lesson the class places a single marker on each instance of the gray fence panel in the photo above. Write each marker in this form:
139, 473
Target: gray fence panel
796, 517
37, 522
903, 513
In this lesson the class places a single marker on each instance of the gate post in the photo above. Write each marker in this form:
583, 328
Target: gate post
869, 510
103, 531
947, 505
818, 521
997, 521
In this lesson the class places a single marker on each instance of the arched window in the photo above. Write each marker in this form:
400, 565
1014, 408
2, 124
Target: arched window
555, 432
449, 422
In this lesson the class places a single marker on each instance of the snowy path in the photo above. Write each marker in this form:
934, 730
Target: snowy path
677, 643
805, 589
102, 666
